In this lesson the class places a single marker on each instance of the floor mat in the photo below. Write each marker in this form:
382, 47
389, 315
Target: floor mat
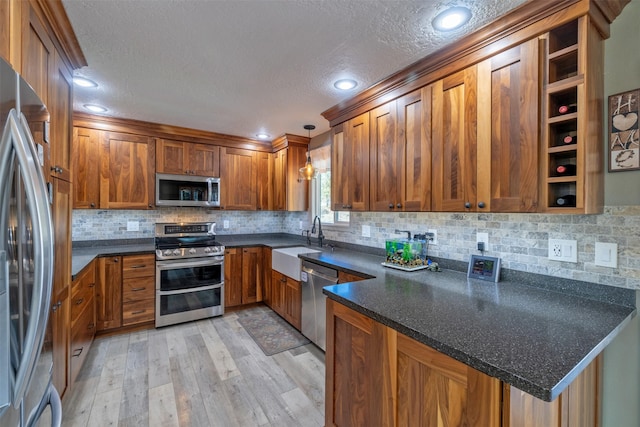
271, 332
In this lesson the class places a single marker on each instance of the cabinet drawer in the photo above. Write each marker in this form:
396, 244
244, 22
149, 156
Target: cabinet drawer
138, 266
81, 297
138, 289
82, 333
138, 311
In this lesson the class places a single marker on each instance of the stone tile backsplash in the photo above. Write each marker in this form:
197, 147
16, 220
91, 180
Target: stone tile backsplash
519, 239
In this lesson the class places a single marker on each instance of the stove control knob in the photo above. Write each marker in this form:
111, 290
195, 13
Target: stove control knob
192, 251
207, 250
176, 251
167, 252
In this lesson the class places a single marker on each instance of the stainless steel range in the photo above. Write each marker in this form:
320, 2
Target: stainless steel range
189, 272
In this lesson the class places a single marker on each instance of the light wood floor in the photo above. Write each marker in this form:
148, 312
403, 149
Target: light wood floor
204, 373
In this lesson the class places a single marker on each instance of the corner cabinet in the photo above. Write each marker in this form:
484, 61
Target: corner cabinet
350, 165
377, 376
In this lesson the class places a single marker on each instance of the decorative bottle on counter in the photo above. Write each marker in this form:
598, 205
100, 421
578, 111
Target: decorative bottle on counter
568, 201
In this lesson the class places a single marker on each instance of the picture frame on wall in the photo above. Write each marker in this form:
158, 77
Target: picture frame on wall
624, 132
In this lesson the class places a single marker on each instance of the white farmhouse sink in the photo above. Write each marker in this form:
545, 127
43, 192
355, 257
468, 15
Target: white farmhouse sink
286, 260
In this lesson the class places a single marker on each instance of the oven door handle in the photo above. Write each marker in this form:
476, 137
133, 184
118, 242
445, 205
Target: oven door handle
170, 265
190, 290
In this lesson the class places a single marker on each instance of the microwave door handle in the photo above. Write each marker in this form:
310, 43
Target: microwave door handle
36, 193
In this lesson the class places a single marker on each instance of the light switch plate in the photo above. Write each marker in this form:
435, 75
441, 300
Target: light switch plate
133, 226
225, 224
606, 254
366, 231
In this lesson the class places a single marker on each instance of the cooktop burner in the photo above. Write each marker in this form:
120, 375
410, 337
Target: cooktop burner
187, 240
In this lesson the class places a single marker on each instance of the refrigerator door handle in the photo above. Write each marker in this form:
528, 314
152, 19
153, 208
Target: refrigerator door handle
5, 342
51, 398
35, 189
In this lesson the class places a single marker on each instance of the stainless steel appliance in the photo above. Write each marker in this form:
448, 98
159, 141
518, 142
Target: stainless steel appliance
314, 312
26, 260
187, 190
189, 273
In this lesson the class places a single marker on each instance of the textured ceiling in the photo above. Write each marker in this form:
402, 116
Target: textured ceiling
241, 67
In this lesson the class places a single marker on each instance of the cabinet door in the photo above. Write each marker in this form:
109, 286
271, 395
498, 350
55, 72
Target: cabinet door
86, 167
60, 107
280, 180
293, 302
204, 160
433, 387
59, 323
232, 277
38, 61
508, 93
5, 30
358, 388
238, 173
171, 157
264, 184
350, 165
266, 276
61, 217
109, 293
454, 142
252, 275
386, 159
414, 135
127, 171
278, 283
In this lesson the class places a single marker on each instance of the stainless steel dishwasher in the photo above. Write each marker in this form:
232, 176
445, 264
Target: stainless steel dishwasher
313, 278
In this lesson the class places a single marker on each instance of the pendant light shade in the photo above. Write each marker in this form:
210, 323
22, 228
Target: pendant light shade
308, 172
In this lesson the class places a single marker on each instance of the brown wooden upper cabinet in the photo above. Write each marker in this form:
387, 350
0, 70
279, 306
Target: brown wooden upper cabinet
238, 171
264, 184
124, 177
350, 165
289, 192
454, 142
508, 136
186, 158
400, 154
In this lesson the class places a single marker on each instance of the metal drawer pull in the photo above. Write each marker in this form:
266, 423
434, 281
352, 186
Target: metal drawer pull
77, 352
137, 289
79, 301
138, 312
92, 285
138, 266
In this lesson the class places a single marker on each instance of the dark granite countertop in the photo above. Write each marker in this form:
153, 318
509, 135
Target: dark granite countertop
535, 339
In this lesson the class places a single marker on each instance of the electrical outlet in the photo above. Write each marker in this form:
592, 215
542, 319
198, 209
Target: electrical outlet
300, 225
366, 231
133, 226
225, 224
563, 250
435, 236
484, 239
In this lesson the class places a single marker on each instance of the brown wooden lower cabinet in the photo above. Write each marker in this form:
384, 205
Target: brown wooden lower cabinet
83, 317
286, 298
243, 276
376, 376
125, 293
344, 277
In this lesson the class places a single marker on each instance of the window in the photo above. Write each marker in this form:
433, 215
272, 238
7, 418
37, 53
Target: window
321, 189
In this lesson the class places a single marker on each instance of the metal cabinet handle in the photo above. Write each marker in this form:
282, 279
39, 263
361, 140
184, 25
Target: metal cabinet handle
79, 301
93, 205
77, 352
116, 259
91, 285
467, 205
399, 205
137, 289
481, 205
138, 266
138, 312
390, 205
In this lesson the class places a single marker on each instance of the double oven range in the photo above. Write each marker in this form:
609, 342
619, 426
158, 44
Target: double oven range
189, 272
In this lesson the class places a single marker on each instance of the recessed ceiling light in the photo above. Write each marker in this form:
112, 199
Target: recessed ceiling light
84, 82
345, 84
263, 136
452, 18
95, 108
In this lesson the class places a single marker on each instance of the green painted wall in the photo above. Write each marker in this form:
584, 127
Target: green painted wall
621, 381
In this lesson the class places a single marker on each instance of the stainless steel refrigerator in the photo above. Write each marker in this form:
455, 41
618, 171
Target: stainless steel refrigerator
27, 395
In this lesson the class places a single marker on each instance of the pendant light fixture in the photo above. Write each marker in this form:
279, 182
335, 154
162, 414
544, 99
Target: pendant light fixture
308, 172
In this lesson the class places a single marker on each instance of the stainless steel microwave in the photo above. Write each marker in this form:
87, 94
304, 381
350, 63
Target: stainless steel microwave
187, 190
